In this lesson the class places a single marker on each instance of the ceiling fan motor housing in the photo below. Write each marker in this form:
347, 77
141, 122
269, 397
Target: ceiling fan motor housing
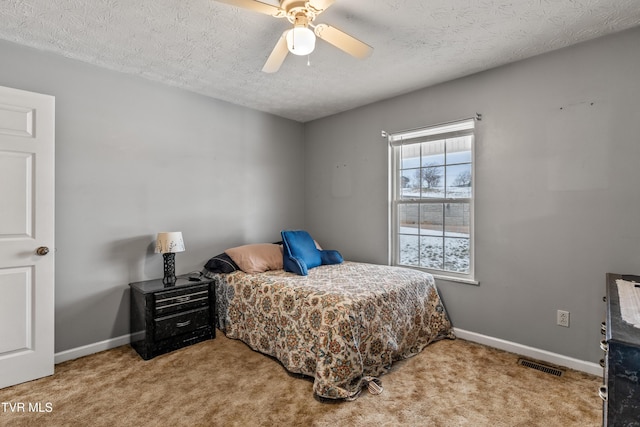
299, 12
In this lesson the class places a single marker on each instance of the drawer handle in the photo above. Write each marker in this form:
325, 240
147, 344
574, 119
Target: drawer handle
602, 391
603, 328
183, 324
602, 362
604, 346
183, 299
179, 303
178, 298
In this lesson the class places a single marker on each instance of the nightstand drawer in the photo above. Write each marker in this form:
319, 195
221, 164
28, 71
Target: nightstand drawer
165, 317
176, 324
181, 299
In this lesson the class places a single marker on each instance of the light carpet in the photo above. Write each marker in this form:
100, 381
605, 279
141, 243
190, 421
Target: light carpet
222, 382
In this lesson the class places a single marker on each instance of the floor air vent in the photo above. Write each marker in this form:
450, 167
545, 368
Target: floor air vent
540, 367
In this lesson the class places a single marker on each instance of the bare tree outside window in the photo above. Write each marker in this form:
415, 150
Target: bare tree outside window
463, 180
430, 175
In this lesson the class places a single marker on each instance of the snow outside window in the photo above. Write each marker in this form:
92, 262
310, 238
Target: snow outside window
431, 174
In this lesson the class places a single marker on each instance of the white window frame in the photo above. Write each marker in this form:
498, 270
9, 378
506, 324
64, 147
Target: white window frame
417, 136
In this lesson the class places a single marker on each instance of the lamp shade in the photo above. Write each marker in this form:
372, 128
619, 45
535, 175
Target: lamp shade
169, 242
301, 41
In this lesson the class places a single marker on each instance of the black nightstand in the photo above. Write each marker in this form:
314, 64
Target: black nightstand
165, 318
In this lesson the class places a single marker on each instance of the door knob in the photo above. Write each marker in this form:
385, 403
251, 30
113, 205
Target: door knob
42, 250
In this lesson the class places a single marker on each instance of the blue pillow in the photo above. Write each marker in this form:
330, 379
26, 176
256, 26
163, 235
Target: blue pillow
299, 253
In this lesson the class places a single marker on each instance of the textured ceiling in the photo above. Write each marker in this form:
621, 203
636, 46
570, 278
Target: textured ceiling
218, 50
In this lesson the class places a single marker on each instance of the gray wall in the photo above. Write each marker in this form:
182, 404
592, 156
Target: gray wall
134, 158
557, 194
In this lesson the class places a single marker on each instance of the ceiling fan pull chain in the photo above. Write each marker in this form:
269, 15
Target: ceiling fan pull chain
308, 60
293, 39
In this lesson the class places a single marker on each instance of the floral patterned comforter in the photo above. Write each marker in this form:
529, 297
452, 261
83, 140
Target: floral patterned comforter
339, 324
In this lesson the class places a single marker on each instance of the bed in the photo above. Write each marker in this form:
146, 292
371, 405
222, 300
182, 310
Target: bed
344, 325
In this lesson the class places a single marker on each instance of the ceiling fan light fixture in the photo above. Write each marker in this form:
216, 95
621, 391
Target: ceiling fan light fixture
301, 41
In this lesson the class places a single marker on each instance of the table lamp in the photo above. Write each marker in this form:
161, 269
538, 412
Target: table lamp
168, 243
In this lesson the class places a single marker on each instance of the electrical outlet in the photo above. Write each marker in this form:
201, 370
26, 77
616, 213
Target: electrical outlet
562, 318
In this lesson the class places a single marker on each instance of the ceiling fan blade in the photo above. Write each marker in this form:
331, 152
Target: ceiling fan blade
278, 54
256, 6
343, 41
321, 5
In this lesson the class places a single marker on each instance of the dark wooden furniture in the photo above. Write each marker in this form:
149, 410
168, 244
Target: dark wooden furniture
621, 389
167, 317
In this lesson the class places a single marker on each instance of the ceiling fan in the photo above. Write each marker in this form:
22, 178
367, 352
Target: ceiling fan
300, 40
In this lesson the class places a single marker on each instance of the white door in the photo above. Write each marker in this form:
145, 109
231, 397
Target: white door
26, 224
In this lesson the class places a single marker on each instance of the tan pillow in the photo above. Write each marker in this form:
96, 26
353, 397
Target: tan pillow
257, 257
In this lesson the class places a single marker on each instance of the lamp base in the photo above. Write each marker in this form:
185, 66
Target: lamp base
169, 268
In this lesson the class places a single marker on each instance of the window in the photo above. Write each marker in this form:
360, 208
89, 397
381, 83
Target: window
431, 175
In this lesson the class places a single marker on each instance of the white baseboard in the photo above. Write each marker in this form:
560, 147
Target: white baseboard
534, 353
512, 347
88, 349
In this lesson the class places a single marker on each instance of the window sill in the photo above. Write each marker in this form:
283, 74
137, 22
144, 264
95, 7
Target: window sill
443, 276
456, 279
